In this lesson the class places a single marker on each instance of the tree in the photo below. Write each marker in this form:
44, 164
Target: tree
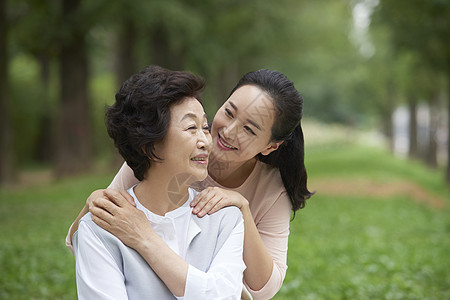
6, 135
75, 145
422, 28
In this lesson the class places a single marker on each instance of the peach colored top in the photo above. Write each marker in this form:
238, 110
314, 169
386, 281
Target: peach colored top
270, 207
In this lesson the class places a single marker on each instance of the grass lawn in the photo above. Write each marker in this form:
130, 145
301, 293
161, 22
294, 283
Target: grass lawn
34, 261
360, 236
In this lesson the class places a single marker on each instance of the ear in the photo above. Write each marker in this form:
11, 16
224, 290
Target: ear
272, 147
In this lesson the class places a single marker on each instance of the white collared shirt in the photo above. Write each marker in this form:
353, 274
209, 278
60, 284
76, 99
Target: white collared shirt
176, 229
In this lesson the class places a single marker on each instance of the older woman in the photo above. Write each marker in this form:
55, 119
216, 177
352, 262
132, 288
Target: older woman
160, 129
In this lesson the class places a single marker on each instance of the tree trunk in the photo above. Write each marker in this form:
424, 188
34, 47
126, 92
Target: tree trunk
448, 124
431, 152
159, 45
163, 54
75, 130
45, 149
6, 133
413, 148
388, 130
126, 57
388, 118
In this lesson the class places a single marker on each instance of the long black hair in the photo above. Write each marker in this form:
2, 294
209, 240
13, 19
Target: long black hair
289, 158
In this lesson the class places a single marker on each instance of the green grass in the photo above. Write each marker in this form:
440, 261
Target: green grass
366, 247
340, 247
34, 262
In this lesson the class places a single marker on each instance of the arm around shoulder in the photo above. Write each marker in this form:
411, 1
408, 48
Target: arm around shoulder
265, 250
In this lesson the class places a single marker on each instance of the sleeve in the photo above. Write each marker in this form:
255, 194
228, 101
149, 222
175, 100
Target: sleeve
97, 273
124, 179
274, 231
68, 240
224, 277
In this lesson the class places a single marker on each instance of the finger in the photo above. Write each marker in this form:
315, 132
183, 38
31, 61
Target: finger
128, 197
100, 222
115, 196
219, 205
101, 214
211, 203
199, 197
201, 203
106, 205
95, 194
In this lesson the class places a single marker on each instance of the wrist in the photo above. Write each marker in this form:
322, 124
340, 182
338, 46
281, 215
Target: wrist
143, 245
146, 242
245, 206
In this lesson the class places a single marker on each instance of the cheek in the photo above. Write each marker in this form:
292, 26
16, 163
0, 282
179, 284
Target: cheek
253, 145
219, 120
209, 139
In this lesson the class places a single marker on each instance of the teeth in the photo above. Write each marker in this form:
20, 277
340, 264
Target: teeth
198, 158
225, 144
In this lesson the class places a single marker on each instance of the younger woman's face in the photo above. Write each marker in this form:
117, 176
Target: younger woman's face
242, 127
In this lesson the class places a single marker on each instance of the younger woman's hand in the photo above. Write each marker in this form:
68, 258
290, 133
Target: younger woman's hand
114, 213
212, 199
100, 193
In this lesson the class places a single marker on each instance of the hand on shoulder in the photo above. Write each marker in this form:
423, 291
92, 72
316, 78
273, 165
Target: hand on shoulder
212, 199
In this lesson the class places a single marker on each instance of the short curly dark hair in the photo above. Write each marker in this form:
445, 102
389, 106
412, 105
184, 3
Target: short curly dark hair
140, 116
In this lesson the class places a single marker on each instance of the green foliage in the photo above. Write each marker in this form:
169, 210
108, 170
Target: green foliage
30, 102
317, 54
310, 41
411, 21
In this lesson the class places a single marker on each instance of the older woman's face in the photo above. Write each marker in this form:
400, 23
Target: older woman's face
242, 127
185, 148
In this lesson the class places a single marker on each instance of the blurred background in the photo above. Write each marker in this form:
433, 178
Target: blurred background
375, 77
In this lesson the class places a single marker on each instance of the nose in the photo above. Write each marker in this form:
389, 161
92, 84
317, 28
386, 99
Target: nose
230, 132
204, 140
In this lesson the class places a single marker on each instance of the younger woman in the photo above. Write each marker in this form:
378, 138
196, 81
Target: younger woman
257, 165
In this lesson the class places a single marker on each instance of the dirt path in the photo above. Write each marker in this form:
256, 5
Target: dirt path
346, 187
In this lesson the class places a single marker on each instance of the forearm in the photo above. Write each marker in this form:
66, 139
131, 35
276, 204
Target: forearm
170, 267
256, 257
222, 280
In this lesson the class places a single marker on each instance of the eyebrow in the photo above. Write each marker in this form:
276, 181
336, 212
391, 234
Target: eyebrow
248, 120
192, 116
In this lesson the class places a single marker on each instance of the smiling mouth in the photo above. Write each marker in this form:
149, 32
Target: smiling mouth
223, 144
203, 160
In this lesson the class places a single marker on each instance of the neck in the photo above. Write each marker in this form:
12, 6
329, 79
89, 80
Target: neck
161, 194
230, 174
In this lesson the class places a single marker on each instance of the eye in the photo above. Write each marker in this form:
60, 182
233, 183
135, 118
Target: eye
206, 127
228, 113
248, 129
192, 127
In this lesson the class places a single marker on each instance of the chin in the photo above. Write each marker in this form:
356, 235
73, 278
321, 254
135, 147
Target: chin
201, 176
